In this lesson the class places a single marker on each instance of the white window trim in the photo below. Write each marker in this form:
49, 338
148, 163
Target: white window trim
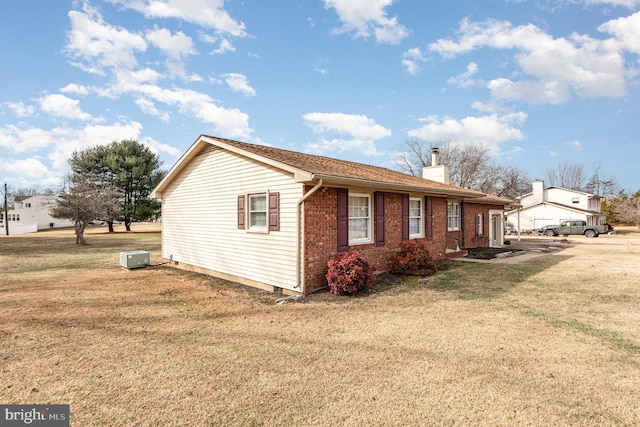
451, 224
256, 229
420, 234
369, 238
480, 219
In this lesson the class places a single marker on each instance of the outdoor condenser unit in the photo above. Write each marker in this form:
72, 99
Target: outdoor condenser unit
134, 259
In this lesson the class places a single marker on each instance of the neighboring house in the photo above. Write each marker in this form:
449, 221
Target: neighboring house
552, 205
31, 214
272, 218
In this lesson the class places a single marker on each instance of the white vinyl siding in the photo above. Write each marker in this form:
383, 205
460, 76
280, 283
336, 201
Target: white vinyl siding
200, 223
415, 218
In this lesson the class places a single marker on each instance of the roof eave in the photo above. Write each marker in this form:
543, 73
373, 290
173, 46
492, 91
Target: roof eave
391, 186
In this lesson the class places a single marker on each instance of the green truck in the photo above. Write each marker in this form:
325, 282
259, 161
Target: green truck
575, 227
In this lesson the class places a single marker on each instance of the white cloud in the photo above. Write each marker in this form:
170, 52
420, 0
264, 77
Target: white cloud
411, 60
26, 168
366, 18
557, 67
631, 4
238, 83
75, 89
464, 79
23, 139
626, 31
225, 46
575, 144
58, 105
99, 44
535, 92
60, 142
228, 122
70, 139
206, 13
20, 109
176, 46
491, 129
149, 108
353, 132
158, 147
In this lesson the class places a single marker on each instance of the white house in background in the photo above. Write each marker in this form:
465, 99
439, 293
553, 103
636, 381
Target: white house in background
31, 214
552, 205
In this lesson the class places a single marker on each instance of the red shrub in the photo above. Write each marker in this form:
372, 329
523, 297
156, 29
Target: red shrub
348, 274
413, 259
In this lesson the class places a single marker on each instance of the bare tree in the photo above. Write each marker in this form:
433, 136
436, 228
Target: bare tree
32, 190
85, 198
627, 209
600, 185
567, 175
470, 166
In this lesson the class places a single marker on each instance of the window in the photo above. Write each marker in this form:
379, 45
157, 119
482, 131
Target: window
480, 224
258, 211
359, 218
453, 216
415, 217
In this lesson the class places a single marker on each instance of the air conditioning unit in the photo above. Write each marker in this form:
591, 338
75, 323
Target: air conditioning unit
134, 259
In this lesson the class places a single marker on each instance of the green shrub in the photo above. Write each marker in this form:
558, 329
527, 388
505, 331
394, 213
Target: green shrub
348, 274
413, 259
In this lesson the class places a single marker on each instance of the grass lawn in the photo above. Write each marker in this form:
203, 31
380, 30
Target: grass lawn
551, 341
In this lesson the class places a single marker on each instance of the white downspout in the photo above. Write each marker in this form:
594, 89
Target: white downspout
300, 234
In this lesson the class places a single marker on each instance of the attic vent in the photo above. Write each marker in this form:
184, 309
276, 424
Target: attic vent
208, 149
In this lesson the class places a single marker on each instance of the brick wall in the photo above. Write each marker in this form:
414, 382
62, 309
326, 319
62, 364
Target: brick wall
321, 234
471, 240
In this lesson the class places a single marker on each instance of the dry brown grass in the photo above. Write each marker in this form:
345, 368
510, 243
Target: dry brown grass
552, 341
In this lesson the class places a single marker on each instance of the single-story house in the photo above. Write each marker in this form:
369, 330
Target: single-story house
552, 205
272, 218
31, 214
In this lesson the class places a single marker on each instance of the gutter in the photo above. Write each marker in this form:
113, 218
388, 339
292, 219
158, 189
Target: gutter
299, 234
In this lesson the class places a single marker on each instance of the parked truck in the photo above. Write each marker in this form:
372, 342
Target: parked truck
576, 227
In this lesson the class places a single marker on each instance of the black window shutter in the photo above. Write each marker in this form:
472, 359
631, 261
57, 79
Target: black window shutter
428, 202
241, 213
378, 201
274, 211
343, 219
405, 217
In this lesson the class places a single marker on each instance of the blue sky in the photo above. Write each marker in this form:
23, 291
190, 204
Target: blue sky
542, 83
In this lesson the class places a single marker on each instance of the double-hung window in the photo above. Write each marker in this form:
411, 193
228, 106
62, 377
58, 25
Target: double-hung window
415, 218
258, 211
453, 216
359, 218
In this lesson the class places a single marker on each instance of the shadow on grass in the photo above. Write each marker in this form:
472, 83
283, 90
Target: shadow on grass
471, 281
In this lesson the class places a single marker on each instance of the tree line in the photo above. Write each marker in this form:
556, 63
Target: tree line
109, 183
472, 166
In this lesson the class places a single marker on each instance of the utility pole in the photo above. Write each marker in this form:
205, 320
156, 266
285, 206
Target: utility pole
6, 210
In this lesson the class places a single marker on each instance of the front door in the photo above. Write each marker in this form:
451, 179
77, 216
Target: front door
495, 229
